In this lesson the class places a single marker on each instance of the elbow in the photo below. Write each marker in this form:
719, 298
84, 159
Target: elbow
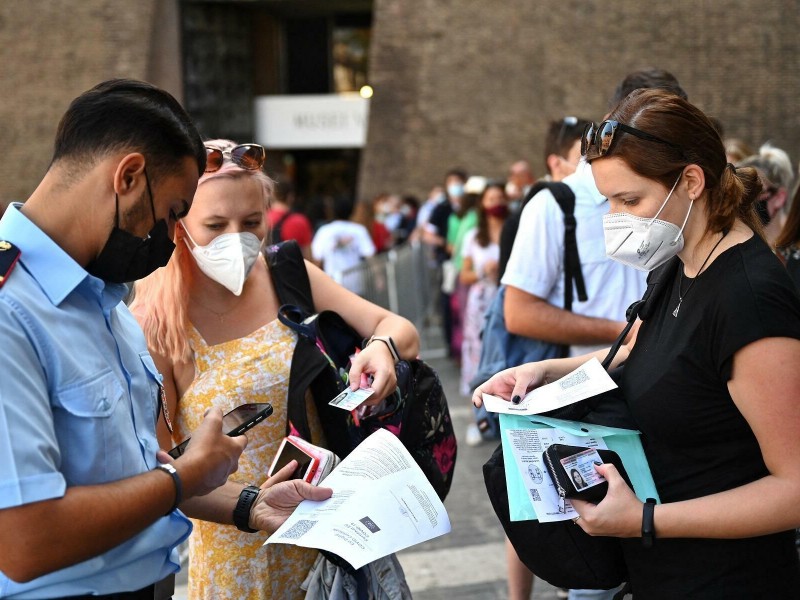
514, 322
20, 569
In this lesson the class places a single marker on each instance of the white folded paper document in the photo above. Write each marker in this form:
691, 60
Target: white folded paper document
584, 382
381, 503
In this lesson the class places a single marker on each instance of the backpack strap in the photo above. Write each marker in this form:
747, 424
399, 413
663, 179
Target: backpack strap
572, 260
656, 283
277, 230
293, 288
289, 275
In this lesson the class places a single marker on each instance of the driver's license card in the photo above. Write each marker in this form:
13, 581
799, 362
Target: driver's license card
349, 399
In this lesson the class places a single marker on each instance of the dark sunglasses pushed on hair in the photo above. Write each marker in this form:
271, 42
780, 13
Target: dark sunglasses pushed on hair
600, 137
246, 156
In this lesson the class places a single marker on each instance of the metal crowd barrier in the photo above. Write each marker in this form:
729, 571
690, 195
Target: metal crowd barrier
404, 280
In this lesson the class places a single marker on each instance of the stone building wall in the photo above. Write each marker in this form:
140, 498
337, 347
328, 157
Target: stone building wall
51, 51
473, 83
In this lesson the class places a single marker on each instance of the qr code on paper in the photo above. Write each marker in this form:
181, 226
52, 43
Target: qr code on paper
535, 495
299, 529
573, 380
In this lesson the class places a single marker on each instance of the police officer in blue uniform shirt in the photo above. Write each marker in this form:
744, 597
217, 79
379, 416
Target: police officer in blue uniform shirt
88, 502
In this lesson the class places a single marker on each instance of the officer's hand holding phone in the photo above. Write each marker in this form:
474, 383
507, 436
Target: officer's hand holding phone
213, 454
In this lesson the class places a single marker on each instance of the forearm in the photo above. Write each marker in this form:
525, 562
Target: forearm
468, 277
535, 318
765, 506
216, 506
86, 522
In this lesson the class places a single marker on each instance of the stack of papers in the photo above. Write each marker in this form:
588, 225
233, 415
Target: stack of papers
381, 503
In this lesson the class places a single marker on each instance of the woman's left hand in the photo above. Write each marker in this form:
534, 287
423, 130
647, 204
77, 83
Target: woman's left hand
619, 514
375, 360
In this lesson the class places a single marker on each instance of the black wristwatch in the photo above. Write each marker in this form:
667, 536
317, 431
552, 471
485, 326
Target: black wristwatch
241, 514
648, 525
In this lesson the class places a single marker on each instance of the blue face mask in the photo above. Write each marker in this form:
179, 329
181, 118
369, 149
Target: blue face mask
455, 190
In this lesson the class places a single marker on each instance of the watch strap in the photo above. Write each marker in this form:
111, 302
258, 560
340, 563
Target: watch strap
176, 480
389, 344
648, 523
241, 514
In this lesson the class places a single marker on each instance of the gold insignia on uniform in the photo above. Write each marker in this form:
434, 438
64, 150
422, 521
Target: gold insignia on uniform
4, 246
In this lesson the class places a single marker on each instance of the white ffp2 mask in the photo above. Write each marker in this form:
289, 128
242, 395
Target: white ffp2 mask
640, 242
228, 258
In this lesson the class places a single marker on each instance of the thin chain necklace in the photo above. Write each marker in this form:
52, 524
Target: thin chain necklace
220, 315
681, 296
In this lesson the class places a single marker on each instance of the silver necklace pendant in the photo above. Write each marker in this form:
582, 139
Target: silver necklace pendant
677, 308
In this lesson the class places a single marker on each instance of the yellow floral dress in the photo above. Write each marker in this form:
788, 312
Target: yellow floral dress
225, 563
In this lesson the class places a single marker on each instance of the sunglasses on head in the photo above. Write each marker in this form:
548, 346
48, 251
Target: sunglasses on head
246, 156
565, 122
600, 137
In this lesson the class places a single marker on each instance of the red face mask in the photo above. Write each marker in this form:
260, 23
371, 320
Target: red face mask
500, 211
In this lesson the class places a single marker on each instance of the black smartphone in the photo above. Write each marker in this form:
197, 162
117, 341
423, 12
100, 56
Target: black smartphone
235, 422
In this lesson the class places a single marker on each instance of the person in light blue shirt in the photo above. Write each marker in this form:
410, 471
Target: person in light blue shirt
88, 502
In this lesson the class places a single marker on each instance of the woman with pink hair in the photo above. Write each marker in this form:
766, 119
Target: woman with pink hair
210, 321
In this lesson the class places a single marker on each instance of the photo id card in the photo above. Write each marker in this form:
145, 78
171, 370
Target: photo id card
580, 469
349, 399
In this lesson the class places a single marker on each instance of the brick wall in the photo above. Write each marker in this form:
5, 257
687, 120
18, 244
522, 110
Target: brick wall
51, 51
457, 82
473, 83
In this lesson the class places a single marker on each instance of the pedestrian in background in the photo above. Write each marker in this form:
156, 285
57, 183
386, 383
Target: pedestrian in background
479, 270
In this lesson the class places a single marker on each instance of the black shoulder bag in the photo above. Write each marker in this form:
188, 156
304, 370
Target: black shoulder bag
560, 553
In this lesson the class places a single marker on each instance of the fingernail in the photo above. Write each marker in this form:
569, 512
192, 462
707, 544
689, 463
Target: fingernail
516, 399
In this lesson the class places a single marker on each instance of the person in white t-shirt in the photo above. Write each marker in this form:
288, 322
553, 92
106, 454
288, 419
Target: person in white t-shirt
341, 245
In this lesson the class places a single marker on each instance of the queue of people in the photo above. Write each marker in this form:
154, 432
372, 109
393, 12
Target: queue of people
98, 391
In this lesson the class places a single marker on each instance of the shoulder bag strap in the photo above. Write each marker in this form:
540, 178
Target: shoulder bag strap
656, 283
289, 275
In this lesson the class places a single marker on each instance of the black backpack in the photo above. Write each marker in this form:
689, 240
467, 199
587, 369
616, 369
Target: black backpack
572, 261
417, 413
560, 553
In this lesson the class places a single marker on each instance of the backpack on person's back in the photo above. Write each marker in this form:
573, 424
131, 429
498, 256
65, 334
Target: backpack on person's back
501, 349
417, 413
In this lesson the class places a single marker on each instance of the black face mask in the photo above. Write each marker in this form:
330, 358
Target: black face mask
126, 257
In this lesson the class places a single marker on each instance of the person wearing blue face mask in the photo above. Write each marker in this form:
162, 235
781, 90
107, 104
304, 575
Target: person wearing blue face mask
710, 377
89, 505
437, 231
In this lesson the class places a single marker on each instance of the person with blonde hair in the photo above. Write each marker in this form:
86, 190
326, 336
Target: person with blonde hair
210, 319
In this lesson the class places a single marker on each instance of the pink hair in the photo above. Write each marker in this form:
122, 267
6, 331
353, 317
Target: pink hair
161, 300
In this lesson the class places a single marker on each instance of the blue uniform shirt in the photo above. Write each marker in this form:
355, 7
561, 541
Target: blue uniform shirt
78, 406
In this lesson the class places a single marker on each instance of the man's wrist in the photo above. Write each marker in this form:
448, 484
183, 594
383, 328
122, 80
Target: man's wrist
176, 480
244, 505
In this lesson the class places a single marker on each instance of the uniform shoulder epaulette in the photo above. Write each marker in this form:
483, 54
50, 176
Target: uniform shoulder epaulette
9, 255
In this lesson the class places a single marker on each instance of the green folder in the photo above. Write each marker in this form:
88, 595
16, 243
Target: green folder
624, 442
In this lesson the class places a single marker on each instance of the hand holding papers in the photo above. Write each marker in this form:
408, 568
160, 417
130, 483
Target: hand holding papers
584, 382
381, 503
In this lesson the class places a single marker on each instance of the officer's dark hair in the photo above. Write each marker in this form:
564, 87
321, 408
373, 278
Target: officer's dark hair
649, 78
124, 114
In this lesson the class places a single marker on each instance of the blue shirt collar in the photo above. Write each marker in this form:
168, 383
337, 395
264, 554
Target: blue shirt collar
54, 270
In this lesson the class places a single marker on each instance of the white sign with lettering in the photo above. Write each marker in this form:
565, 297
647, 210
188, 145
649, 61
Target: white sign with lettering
320, 121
